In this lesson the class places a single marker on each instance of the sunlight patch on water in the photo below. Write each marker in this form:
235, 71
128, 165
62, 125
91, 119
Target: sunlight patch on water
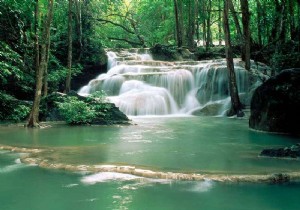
107, 176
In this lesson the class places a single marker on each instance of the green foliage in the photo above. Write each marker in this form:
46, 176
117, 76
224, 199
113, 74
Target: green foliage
12, 109
19, 113
10, 64
75, 111
100, 96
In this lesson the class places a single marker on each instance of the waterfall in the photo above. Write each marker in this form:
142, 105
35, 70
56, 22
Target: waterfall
139, 85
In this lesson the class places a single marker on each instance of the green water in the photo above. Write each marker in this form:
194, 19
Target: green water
31, 188
186, 144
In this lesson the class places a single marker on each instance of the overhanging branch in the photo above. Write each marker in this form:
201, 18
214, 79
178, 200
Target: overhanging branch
115, 24
125, 40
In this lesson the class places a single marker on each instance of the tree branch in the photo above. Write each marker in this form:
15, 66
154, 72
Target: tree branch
125, 40
116, 24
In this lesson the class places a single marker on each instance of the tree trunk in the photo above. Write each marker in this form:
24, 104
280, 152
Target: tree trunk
220, 24
235, 100
235, 19
33, 120
46, 69
36, 31
197, 21
79, 28
246, 33
178, 20
69, 71
204, 23
191, 27
259, 23
292, 20
208, 30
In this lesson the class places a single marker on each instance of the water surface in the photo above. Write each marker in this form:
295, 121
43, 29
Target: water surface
32, 188
184, 144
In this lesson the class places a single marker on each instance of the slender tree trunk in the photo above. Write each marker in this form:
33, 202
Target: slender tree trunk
197, 21
178, 20
34, 115
259, 25
204, 23
276, 23
282, 21
235, 19
208, 36
36, 31
220, 23
79, 27
292, 20
235, 100
69, 71
191, 27
246, 33
204, 33
46, 69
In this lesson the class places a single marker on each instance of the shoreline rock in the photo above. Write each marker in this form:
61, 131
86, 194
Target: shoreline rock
275, 104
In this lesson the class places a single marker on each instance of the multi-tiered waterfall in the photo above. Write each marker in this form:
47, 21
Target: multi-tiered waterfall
139, 85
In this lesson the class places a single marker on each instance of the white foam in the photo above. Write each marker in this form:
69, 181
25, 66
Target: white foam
107, 176
202, 186
18, 161
70, 185
11, 168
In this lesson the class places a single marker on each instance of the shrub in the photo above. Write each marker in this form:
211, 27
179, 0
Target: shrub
76, 112
12, 109
19, 113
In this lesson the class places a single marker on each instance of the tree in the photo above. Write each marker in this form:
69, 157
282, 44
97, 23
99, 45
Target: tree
33, 120
179, 22
192, 6
246, 33
235, 100
69, 73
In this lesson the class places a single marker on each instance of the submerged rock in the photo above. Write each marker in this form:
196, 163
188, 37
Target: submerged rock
209, 110
286, 152
279, 178
275, 104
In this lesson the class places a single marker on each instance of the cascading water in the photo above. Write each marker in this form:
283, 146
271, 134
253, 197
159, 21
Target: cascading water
139, 85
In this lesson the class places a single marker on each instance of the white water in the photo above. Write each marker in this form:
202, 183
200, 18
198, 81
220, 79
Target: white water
138, 85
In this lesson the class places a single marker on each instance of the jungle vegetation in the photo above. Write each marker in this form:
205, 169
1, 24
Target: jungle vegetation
44, 43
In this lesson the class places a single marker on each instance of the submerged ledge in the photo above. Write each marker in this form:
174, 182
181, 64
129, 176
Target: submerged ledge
250, 178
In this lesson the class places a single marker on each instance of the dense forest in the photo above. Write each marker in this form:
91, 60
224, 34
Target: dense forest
43, 44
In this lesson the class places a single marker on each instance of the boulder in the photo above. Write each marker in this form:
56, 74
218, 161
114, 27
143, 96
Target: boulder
209, 110
275, 105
